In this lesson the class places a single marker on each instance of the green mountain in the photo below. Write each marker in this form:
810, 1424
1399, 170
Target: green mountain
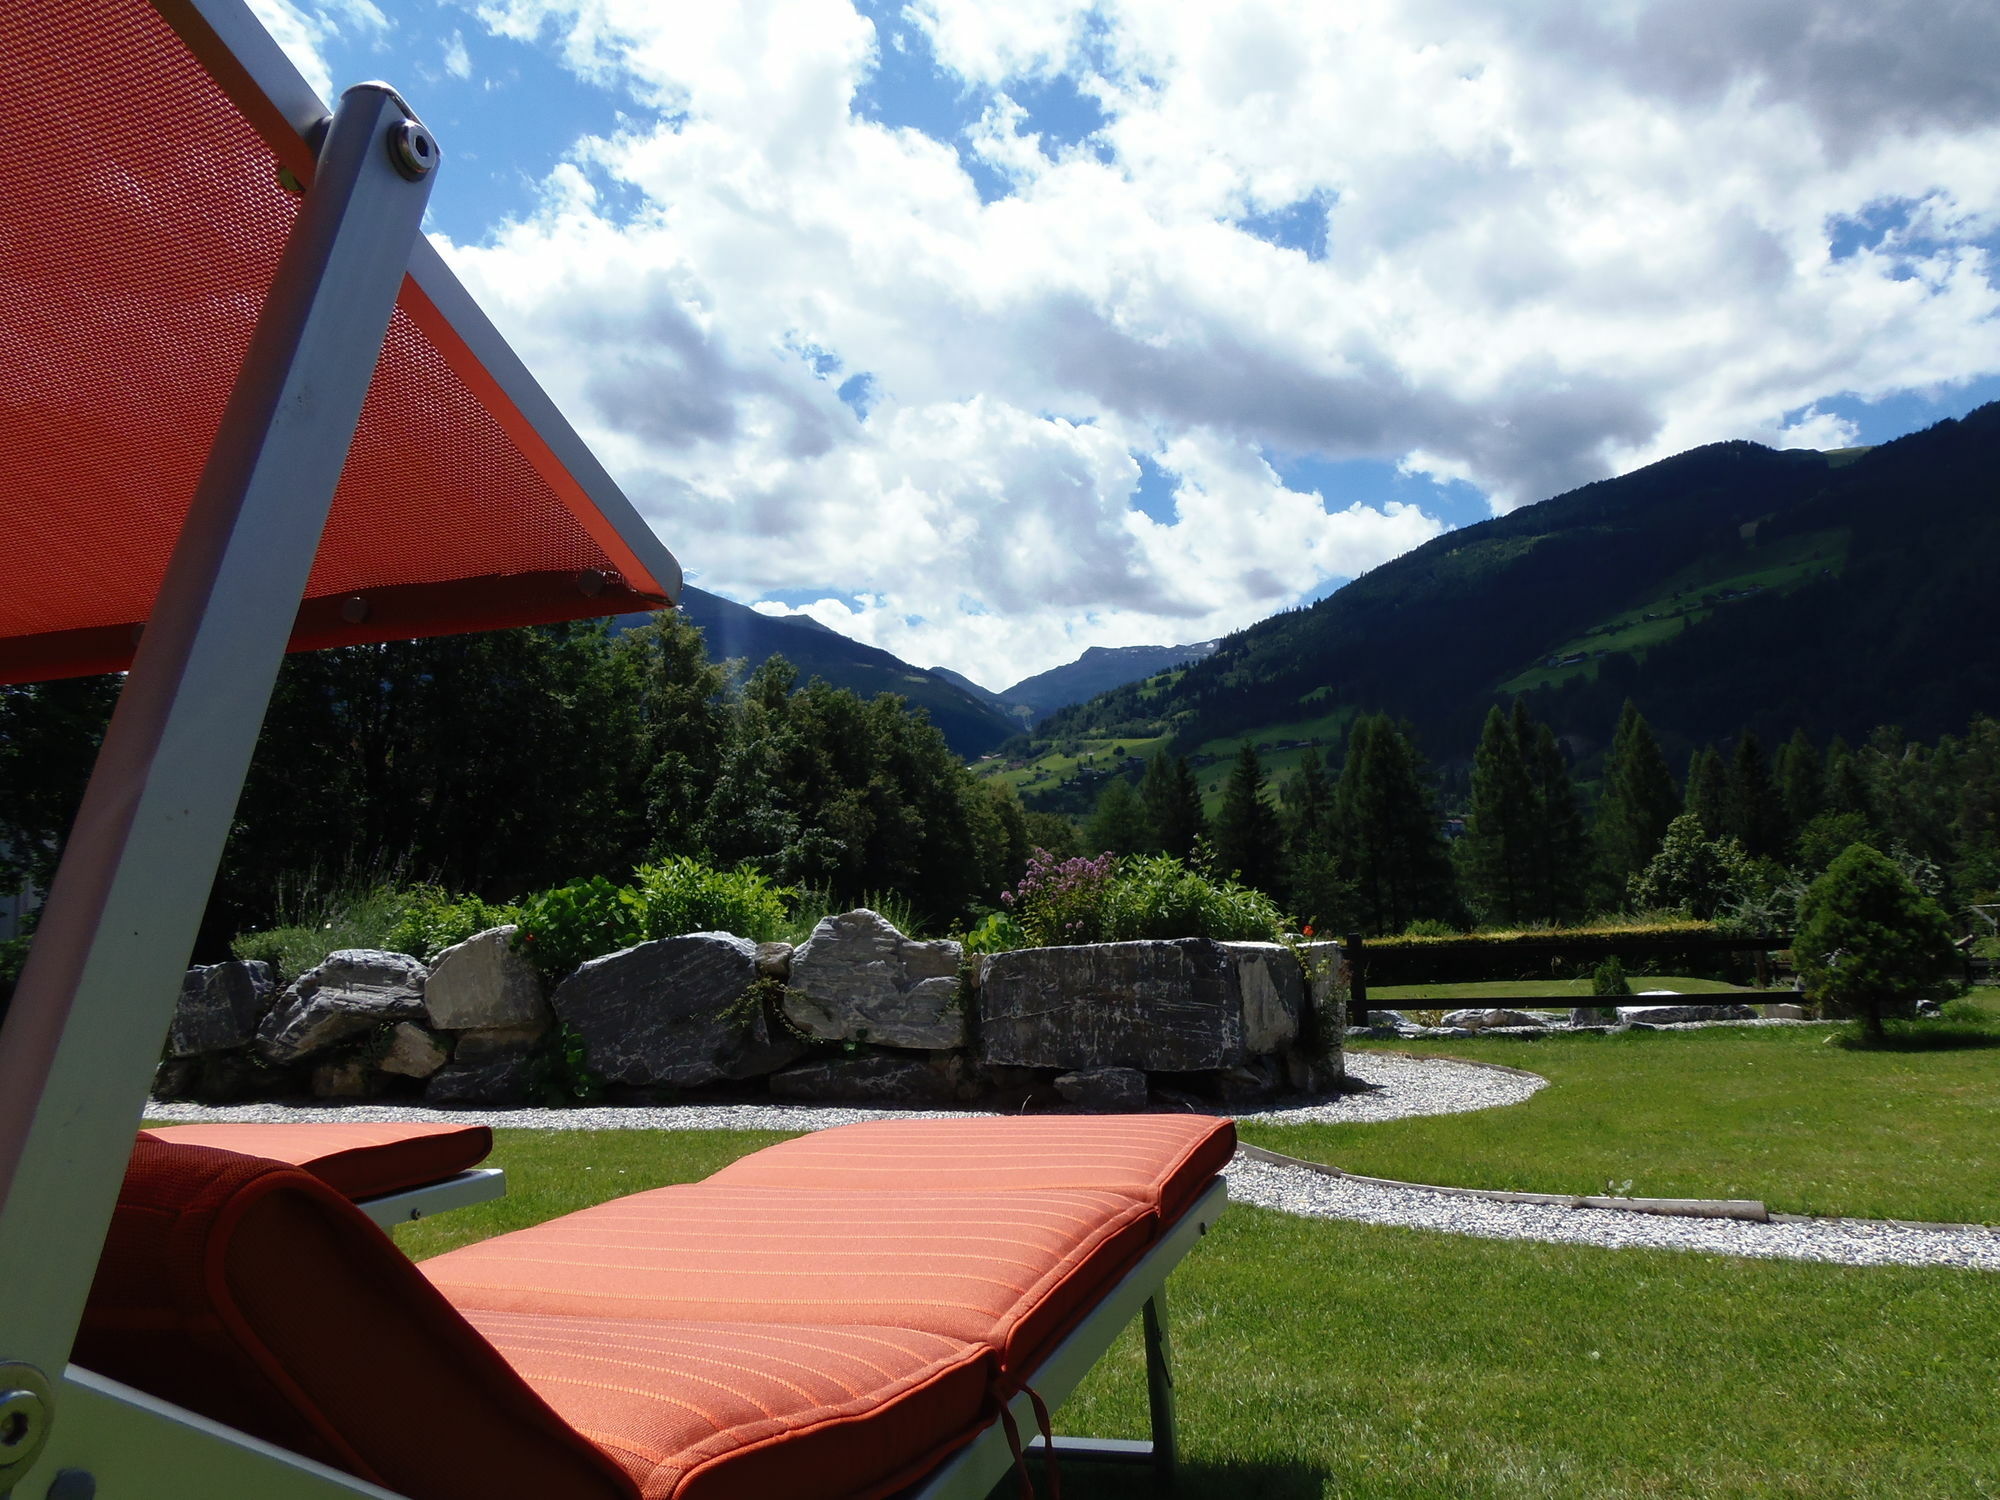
733, 631
1098, 670
1731, 586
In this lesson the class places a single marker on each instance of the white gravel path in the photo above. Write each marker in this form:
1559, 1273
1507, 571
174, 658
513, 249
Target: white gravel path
1294, 1190
1402, 1087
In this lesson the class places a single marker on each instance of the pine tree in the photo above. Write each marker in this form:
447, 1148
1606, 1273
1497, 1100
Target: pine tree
1173, 805
1708, 790
1869, 942
1752, 812
1562, 844
1317, 887
1388, 835
1801, 781
1500, 853
1846, 786
1248, 839
1638, 802
1119, 825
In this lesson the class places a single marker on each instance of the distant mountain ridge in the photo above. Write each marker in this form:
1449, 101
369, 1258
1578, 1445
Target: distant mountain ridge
1098, 670
730, 631
1730, 586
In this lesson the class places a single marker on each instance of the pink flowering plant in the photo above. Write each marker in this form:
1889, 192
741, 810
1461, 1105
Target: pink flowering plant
1060, 903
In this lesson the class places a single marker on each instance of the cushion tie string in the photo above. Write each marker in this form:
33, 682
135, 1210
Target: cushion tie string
1014, 1446
1042, 1421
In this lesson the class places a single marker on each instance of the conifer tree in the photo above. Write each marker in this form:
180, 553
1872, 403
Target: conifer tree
1708, 790
1846, 786
1752, 812
1119, 825
1801, 781
1638, 802
1388, 835
1248, 839
1316, 887
1172, 799
1562, 843
1500, 853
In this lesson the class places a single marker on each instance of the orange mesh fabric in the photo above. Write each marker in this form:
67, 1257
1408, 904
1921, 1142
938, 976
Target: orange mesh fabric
711, 1411
131, 275
254, 1294
1010, 1270
1165, 1161
357, 1160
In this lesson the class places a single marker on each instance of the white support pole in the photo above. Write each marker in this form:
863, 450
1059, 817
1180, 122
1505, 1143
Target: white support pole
92, 1008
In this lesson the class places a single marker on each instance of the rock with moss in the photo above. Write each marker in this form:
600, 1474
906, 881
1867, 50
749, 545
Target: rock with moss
681, 1011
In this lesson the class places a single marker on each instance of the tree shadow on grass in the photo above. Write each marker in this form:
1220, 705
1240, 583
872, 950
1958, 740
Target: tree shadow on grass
1920, 1036
1229, 1480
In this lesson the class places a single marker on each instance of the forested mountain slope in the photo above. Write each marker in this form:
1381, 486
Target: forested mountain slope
1731, 586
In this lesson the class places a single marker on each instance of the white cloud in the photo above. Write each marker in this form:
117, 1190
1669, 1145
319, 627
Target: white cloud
457, 61
304, 33
1561, 240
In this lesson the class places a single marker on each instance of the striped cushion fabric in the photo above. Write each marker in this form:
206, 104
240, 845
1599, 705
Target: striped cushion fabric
254, 1294
1164, 1161
1009, 1270
703, 1411
360, 1160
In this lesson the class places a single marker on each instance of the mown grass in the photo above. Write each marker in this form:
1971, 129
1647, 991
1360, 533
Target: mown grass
1734, 1112
1319, 1358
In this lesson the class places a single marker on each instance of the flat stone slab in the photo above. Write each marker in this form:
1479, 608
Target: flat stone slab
1160, 1007
679, 1011
1669, 1015
857, 979
351, 991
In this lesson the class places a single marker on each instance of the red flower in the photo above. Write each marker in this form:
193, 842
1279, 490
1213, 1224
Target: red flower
1307, 930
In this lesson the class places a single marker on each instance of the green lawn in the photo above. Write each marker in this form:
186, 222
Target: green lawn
1398, 996
1734, 1112
1320, 1359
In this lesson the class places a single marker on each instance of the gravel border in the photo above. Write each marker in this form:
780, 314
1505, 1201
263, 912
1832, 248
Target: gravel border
1853, 1242
1397, 1087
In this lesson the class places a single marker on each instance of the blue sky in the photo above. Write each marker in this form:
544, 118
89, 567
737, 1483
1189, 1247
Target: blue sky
988, 334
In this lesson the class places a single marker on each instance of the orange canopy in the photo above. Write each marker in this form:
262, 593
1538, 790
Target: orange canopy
152, 168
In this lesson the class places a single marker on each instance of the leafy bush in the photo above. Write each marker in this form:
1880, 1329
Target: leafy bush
1062, 902
684, 895
1694, 873
433, 920
326, 923
571, 924
1608, 978
1108, 900
559, 1072
1430, 927
997, 933
1159, 897
1869, 942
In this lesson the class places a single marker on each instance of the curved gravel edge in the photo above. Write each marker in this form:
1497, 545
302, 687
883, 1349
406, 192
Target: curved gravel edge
1294, 1190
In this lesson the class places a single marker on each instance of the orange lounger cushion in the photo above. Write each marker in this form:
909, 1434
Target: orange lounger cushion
1008, 1270
1165, 1161
718, 1411
254, 1294
360, 1160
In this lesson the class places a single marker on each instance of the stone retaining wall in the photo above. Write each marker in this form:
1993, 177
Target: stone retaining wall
857, 1013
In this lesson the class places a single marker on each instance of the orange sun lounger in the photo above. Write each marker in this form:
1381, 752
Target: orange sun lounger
245, 409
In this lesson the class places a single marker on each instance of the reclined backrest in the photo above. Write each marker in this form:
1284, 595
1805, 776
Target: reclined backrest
256, 1295
1165, 1161
354, 1159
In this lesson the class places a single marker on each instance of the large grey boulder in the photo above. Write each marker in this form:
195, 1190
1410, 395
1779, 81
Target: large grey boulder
1273, 991
679, 1011
1104, 1089
1668, 1015
482, 983
873, 1079
495, 1044
353, 990
1161, 1007
857, 979
220, 1006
